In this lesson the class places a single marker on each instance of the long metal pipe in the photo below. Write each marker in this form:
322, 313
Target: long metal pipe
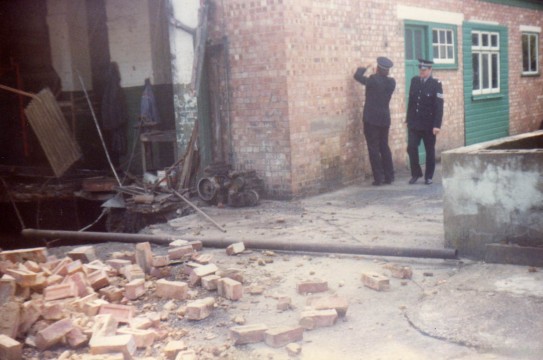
250, 244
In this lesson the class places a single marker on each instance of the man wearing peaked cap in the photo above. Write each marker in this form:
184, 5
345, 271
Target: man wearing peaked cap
376, 118
424, 117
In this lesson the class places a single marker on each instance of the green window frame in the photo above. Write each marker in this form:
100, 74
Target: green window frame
530, 53
441, 43
485, 55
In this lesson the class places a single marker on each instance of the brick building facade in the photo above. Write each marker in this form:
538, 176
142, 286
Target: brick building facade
285, 102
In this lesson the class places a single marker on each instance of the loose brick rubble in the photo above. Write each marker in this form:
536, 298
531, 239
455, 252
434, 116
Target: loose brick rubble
80, 302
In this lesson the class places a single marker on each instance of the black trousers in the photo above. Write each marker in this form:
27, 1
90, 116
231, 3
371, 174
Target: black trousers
379, 152
413, 140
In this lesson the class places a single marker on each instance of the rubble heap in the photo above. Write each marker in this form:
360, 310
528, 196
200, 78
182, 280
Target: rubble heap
91, 309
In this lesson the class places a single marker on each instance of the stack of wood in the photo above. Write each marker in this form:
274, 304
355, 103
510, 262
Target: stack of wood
79, 301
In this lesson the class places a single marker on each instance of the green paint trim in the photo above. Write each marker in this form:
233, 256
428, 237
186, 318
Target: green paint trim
527, 4
429, 26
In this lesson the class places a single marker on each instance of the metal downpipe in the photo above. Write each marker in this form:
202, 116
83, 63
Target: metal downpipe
250, 244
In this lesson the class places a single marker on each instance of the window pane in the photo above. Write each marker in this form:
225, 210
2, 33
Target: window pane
484, 71
494, 40
443, 51
441, 36
495, 74
434, 36
418, 45
525, 53
474, 39
409, 44
435, 50
533, 53
449, 37
450, 52
484, 39
476, 71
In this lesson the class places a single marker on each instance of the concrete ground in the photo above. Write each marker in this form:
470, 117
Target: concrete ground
450, 309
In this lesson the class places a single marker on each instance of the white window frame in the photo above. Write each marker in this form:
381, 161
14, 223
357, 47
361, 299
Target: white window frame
489, 51
443, 58
536, 35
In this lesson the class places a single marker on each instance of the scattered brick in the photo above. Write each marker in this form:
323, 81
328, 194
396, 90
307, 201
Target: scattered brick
229, 289
112, 293
132, 272
52, 311
81, 283
178, 243
171, 289
201, 271
53, 334
294, 349
202, 258
76, 338
200, 309
234, 274
125, 344
281, 336
30, 312
312, 286
284, 303
197, 245
104, 325
38, 255
160, 261
98, 279
60, 291
160, 272
10, 349
143, 338
312, 319
32, 266
121, 313
399, 271
10, 314
22, 277
134, 289
74, 266
375, 281
141, 323
179, 253
173, 347
118, 264
247, 334
144, 256
85, 254
186, 355
338, 303
234, 249
7, 288
209, 282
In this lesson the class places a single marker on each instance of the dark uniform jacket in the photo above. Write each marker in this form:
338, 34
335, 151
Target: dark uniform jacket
425, 106
379, 89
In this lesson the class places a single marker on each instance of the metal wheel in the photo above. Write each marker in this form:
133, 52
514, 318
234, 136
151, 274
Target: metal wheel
207, 189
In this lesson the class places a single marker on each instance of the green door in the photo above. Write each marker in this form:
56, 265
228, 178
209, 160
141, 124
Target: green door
415, 48
486, 83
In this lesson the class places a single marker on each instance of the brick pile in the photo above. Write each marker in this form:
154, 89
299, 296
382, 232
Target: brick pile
81, 303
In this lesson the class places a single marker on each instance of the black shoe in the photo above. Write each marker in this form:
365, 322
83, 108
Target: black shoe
428, 181
413, 180
388, 181
377, 183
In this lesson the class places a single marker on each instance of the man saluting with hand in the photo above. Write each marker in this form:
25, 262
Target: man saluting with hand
424, 117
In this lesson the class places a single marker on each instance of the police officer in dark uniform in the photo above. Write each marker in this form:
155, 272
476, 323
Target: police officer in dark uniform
376, 117
424, 117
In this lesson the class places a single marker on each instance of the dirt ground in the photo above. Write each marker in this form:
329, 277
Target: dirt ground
450, 309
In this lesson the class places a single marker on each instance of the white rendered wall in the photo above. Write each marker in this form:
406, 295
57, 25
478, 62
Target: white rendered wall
67, 22
181, 42
130, 40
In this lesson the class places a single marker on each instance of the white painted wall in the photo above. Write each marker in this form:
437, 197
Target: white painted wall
67, 22
130, 40
181, 42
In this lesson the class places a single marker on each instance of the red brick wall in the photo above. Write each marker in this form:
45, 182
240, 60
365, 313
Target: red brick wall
295, 107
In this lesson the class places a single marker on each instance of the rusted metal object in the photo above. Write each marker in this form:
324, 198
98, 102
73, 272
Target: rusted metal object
300, 246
